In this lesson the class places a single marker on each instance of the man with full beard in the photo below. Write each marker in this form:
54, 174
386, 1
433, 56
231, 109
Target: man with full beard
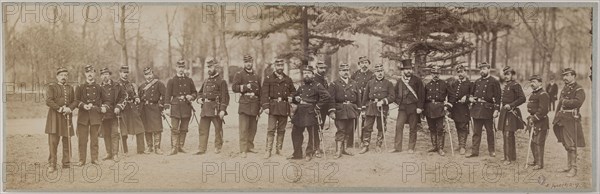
213, 97
378, 94
309, 97
275, 97
486, 103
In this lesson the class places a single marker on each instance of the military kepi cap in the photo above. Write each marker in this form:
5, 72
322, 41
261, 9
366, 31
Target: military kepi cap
181, 63
247, 59
308, 68
211, 61
435, 69
568, 71
378, 67
89, 68
278, 61
147, 70
344, 66
60, 70
363, 59
535, 77
460, 68
508, 69
484, 64
125, 69
105, 70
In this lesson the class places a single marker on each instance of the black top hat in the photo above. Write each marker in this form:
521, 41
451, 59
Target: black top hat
406, 64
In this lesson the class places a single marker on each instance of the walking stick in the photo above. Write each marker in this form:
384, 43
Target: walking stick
384, 128
357, 132
529, 145
449, 133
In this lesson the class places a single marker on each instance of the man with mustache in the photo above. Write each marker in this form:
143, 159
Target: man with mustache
538, 107
567, 122
214, 99
321, 77
89, 96
131, 123
181, 91
344, 110
275, 97
409, 95
458, 95
509, 120
435, 109
361, 76
486, 103
152, 95
378, 94
114, 95
309, 97
60, 99
247, 83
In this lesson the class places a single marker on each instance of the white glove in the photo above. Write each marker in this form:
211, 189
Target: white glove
221, 114
463, 99
380, 103
117, 110
67, 110
103, 109
419, 111
189, 97
137, 100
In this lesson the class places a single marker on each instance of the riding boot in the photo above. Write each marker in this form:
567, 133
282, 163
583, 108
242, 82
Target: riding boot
174, 143
181, 142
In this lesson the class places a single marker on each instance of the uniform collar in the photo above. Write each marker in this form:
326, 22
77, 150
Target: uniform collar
538, 89
90, 83
182, 75
61, 84
124, 80
110, 82
277, 75
249, 72
366, 71
214, 76
346, 81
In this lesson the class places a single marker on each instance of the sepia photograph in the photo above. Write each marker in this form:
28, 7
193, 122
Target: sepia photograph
299, 96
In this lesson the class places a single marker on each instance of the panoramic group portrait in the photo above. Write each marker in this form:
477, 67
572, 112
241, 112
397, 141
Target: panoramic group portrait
290, 96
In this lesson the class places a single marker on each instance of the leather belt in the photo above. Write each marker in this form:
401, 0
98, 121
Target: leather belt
149, 102
569, 111
346, 102
279, 99
249, 94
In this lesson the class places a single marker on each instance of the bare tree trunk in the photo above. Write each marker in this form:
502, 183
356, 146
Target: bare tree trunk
123, 37
169, 36
477, 47
494, 48
224, 45
305, 54
138, 71
506, 51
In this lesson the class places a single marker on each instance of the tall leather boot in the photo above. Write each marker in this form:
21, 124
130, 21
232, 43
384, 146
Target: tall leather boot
149, 142
440, 144
269, 146
279, 144
433, 136
573, 160
174, 144
366, 141
181, 142
344, 151
338, 149
157, 139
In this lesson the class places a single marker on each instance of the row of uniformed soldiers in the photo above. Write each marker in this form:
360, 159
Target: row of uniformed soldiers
362, 98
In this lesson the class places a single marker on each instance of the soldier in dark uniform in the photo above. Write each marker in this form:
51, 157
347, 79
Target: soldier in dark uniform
214, 99
509, 120
361, 77
567, 122
486, 103
152, 95
181, 91
409, 93
378, 94
538, 107
247, 83
113, 95
89, 98
131, 123
321, 78
60, 99
435, 109
458, 96
309, 97
344, 110
276, 92
552, 90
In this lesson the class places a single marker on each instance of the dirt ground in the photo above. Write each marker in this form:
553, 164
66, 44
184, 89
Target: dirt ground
26, 152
